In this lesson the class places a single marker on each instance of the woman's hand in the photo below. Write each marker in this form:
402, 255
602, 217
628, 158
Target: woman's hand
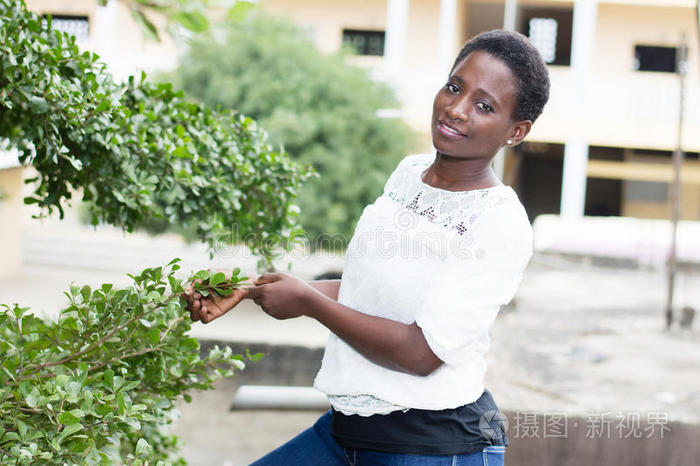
282, 296
206, 309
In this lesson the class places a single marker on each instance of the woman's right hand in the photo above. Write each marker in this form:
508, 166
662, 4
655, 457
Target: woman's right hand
206, 309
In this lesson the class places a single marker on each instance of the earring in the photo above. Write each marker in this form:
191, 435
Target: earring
509, 142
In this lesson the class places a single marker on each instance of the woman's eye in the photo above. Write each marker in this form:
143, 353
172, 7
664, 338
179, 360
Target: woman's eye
484, 106
452, 88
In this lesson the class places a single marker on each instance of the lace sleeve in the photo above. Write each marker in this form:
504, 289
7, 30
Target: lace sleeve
465, 290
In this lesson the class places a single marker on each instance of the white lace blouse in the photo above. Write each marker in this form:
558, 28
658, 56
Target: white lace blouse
446, 260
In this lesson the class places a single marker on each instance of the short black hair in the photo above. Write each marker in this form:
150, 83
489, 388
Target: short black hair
523, 60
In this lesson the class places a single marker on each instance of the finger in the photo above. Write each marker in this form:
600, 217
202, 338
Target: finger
188, 300
208, 312
194, 316
195, 310
267, 278
254, 292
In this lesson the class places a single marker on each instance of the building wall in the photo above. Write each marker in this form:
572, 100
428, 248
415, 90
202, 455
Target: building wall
644, 111
327, 22
621, 108
116, 37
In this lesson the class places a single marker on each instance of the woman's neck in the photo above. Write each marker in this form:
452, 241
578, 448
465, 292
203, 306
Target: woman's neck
458, 174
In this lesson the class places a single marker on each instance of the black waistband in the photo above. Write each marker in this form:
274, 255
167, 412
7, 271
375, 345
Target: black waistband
461, 430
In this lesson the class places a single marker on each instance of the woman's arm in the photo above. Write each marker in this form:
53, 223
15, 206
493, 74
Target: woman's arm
386, 342
327, 287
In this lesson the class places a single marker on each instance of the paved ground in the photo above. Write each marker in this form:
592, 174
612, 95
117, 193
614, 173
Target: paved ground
580, 340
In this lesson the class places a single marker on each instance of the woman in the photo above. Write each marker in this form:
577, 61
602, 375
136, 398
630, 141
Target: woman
429, 265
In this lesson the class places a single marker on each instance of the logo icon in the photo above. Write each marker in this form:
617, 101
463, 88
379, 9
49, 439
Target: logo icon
493, 424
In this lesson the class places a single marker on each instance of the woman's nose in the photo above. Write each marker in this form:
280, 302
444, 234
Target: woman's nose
458, 110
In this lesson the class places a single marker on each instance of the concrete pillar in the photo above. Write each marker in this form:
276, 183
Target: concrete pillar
104, 27
510, 15
573, 186
396, 29
448, 34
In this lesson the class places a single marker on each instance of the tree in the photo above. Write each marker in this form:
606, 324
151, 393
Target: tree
320, 108
99, 383
137, 150
189, 14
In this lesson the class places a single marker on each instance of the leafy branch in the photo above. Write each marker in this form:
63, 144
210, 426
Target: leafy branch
137, 151
99, 383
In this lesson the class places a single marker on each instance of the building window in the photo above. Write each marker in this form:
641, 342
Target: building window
365, 42
75, 25
646, 191
543, 35
549, 30
654, 58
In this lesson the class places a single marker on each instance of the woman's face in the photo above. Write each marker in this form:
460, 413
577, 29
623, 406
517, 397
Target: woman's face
472, 112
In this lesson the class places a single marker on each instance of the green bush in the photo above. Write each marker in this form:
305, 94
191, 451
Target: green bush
98, 384
137, 151
322, 110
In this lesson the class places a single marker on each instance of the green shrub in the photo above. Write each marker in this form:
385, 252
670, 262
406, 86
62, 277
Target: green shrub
137, 151
322, 110
99, 383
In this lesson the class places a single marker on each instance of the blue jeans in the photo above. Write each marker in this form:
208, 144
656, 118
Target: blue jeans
316, 446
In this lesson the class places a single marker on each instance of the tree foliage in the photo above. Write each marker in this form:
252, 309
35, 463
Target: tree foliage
98, 385
137, 151
322, 109
189, 14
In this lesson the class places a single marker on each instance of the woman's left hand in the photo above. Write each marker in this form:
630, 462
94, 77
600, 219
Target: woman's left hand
282, 296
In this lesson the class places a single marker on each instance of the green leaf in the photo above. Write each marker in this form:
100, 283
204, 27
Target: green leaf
68, 418
75, 163
193, 20
22, 428
217, 278
121, 403
108, 378
33, 398
154, 335
130, 385
146, 23
240, 11
39, 103
143, 448
68, 431
254, 357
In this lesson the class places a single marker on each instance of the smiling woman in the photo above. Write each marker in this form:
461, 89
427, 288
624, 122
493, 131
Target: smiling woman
427, 269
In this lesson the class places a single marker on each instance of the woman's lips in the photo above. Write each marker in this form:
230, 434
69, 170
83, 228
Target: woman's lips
449, 131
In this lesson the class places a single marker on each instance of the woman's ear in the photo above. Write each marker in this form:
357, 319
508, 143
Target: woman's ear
518, 131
